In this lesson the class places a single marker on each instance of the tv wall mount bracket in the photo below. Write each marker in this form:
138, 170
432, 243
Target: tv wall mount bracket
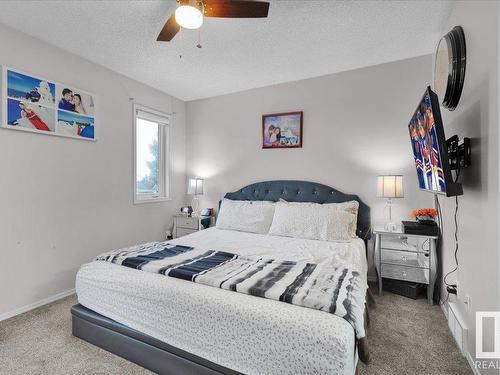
459, 153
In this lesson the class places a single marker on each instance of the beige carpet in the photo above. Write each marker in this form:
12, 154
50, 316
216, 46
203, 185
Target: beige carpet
411, 337
406, 337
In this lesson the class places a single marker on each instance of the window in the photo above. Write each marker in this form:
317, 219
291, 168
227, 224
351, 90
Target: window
152, 159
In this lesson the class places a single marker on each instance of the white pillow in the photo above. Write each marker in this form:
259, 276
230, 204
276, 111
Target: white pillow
326, 222
246, 216
349, 206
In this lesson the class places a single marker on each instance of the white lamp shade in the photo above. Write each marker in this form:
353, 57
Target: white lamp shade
195, 186
390, 186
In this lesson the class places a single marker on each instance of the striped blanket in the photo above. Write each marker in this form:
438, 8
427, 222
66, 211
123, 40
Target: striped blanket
323, 286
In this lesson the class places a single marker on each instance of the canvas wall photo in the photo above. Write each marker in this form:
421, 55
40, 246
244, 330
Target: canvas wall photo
282, 130
74, 100
26, 88
40, 105
30, 116
75, 125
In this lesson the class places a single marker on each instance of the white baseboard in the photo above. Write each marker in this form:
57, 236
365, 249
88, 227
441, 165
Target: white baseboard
468, 356
34, 305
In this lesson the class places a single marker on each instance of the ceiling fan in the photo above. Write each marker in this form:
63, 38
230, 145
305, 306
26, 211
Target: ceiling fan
189, 14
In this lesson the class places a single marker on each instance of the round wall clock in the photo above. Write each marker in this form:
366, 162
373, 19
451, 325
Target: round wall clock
449, 68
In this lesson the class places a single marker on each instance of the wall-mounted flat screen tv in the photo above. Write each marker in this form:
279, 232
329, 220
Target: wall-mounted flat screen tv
429, 148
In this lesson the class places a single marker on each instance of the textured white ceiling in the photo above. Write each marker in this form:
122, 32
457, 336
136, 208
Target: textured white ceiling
299, 39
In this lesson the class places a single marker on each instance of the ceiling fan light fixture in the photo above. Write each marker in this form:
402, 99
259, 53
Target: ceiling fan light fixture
189, 17
190, 14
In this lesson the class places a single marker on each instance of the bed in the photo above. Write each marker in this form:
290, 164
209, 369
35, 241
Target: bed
171, 326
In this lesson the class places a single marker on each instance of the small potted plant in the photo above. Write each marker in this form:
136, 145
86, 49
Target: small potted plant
425, 215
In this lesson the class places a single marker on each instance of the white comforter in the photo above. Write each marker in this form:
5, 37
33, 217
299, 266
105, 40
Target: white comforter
245, 333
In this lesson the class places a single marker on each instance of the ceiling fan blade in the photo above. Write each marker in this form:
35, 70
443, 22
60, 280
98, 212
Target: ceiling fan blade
169, 30
236, 8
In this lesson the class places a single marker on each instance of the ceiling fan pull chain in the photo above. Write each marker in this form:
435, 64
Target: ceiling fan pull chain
199, 39
201, 5
180, 44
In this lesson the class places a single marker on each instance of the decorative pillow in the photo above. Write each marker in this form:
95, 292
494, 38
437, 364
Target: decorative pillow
326, 222
351, 207
246, 216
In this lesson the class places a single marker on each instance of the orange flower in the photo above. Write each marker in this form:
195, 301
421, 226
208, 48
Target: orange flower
431, 212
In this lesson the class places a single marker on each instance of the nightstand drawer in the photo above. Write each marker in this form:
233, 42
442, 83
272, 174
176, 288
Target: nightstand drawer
187, 222
403, 242
179, 232
417, 275
405, 258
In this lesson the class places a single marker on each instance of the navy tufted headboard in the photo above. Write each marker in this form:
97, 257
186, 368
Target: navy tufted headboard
303, 191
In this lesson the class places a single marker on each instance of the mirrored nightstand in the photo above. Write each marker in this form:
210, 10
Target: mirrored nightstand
406, 257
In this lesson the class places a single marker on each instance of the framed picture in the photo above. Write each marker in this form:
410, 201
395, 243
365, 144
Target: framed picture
35, 104
282, 130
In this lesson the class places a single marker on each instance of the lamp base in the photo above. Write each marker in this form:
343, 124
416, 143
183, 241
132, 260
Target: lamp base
196, 205
391, 227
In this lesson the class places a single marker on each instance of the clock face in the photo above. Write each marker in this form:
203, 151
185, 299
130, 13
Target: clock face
443, 68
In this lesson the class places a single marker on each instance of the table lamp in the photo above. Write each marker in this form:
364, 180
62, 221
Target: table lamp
195, 187
390, 186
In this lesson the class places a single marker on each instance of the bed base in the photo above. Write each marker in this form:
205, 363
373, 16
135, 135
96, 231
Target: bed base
139, 348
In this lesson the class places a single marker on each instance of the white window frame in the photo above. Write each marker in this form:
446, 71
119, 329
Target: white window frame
164, 121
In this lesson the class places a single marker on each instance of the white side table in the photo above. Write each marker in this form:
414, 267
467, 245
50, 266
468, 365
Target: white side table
408, 257
184, 225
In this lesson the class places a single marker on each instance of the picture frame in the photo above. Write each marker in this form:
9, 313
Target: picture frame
282, 130
34, 104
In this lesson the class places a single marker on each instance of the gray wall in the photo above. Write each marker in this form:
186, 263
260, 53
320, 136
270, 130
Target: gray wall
63, 201
476, 117
355, 127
